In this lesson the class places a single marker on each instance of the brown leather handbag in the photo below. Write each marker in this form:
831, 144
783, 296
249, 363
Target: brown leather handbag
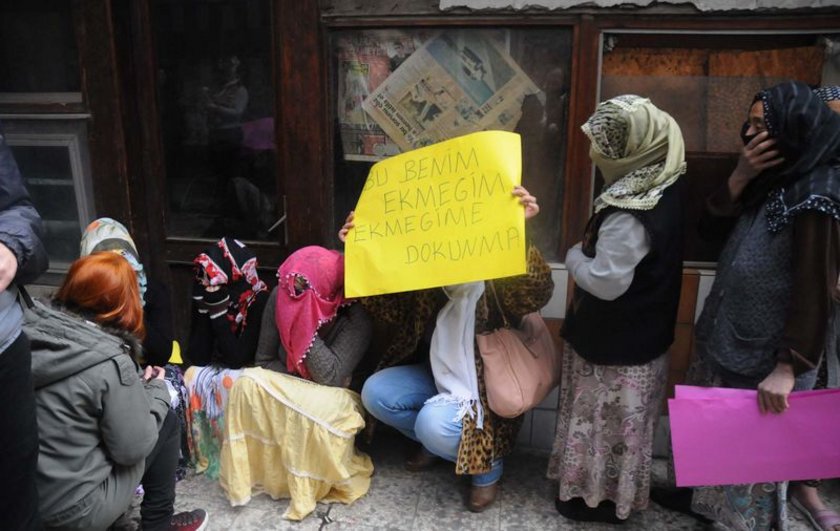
521, 365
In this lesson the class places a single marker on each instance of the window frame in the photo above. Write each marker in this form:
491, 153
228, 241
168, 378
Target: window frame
70, 132
571, 209
760, 28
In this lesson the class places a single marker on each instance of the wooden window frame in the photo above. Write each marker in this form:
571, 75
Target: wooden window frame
588, 30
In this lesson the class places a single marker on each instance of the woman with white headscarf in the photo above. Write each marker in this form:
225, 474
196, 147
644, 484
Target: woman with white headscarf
106, 234
429, 382
628, 274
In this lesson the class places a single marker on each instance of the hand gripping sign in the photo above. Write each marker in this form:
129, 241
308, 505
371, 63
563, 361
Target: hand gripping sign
720, 437
439, 215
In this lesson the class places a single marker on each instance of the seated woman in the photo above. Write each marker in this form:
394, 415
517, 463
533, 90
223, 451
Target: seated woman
228, 303
287, 435
441, 402
104, 425
309, 329
106, 234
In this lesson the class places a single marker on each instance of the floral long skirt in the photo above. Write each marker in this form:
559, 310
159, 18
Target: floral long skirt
605, 425
752, 507
208, 389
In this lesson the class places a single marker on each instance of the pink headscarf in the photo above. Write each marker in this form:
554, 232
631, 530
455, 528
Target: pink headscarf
300, 315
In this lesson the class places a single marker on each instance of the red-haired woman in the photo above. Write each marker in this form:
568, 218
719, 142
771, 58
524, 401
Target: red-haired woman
104, 426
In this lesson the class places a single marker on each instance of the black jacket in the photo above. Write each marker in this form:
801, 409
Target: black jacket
20, 224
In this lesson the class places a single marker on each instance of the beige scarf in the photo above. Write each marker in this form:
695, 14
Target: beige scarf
639, 150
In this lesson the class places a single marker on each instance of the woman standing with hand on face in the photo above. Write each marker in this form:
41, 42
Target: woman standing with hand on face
764, 322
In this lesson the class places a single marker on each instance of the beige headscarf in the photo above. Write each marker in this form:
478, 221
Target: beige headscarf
639, 150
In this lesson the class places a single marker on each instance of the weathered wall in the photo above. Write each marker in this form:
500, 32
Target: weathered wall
701, 5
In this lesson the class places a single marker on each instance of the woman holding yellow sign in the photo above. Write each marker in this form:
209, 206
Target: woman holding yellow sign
441, 402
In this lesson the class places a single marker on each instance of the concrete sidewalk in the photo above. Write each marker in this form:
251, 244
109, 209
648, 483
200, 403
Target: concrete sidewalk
433, 500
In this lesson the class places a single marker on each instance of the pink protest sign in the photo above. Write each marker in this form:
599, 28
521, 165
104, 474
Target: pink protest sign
690, 391
720, 437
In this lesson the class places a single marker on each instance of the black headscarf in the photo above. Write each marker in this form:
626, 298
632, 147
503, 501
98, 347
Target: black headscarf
807, 134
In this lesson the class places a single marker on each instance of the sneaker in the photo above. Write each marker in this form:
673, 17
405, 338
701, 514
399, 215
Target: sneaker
195, 520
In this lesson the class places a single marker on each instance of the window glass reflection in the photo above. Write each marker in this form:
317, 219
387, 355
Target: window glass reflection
38, 47
217, 117
706, 83
48, 176
398, 90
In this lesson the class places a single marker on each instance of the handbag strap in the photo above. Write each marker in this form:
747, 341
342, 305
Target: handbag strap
25, 299
498, 304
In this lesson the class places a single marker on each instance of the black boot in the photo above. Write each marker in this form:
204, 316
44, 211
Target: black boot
576, 509
679, 500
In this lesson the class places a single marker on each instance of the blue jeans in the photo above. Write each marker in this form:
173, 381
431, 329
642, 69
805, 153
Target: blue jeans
397, 397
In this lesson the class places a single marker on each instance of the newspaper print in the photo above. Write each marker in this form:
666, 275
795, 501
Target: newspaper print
459, 82
365, 60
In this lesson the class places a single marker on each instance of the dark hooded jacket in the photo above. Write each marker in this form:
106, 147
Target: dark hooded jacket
20, 231
20, 225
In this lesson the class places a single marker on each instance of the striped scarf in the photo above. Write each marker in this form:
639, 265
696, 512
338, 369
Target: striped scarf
807, 134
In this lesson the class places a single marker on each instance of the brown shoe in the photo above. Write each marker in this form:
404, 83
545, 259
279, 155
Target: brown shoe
482, 497
421, 460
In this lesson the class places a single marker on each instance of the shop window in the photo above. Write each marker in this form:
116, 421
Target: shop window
707, 83
53, 159
216, 105
38, 55
437, 84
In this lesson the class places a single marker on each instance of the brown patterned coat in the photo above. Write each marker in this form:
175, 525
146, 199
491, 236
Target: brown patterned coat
400, 321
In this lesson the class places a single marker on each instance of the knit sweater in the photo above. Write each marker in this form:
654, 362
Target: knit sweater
332, 357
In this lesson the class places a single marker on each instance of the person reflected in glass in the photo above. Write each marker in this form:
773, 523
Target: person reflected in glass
225, 109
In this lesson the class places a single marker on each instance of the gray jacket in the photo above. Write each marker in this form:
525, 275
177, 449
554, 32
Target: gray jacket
330, 360
96, 418
744, 315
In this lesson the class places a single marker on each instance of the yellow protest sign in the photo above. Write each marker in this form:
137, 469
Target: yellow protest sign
440, 215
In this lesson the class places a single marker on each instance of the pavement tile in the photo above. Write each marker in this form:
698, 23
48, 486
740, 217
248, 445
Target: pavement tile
435, 500
221, 514
391, 502
442, 505
258, 520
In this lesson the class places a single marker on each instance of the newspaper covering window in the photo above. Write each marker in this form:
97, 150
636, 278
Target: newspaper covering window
365, 60
459, 82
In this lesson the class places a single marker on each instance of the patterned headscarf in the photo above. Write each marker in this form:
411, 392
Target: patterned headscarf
301, 310
106, 234
230, 263
828, 94
639, 150
807, 134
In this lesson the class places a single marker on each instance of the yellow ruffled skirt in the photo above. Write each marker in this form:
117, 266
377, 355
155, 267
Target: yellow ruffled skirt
292, 438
